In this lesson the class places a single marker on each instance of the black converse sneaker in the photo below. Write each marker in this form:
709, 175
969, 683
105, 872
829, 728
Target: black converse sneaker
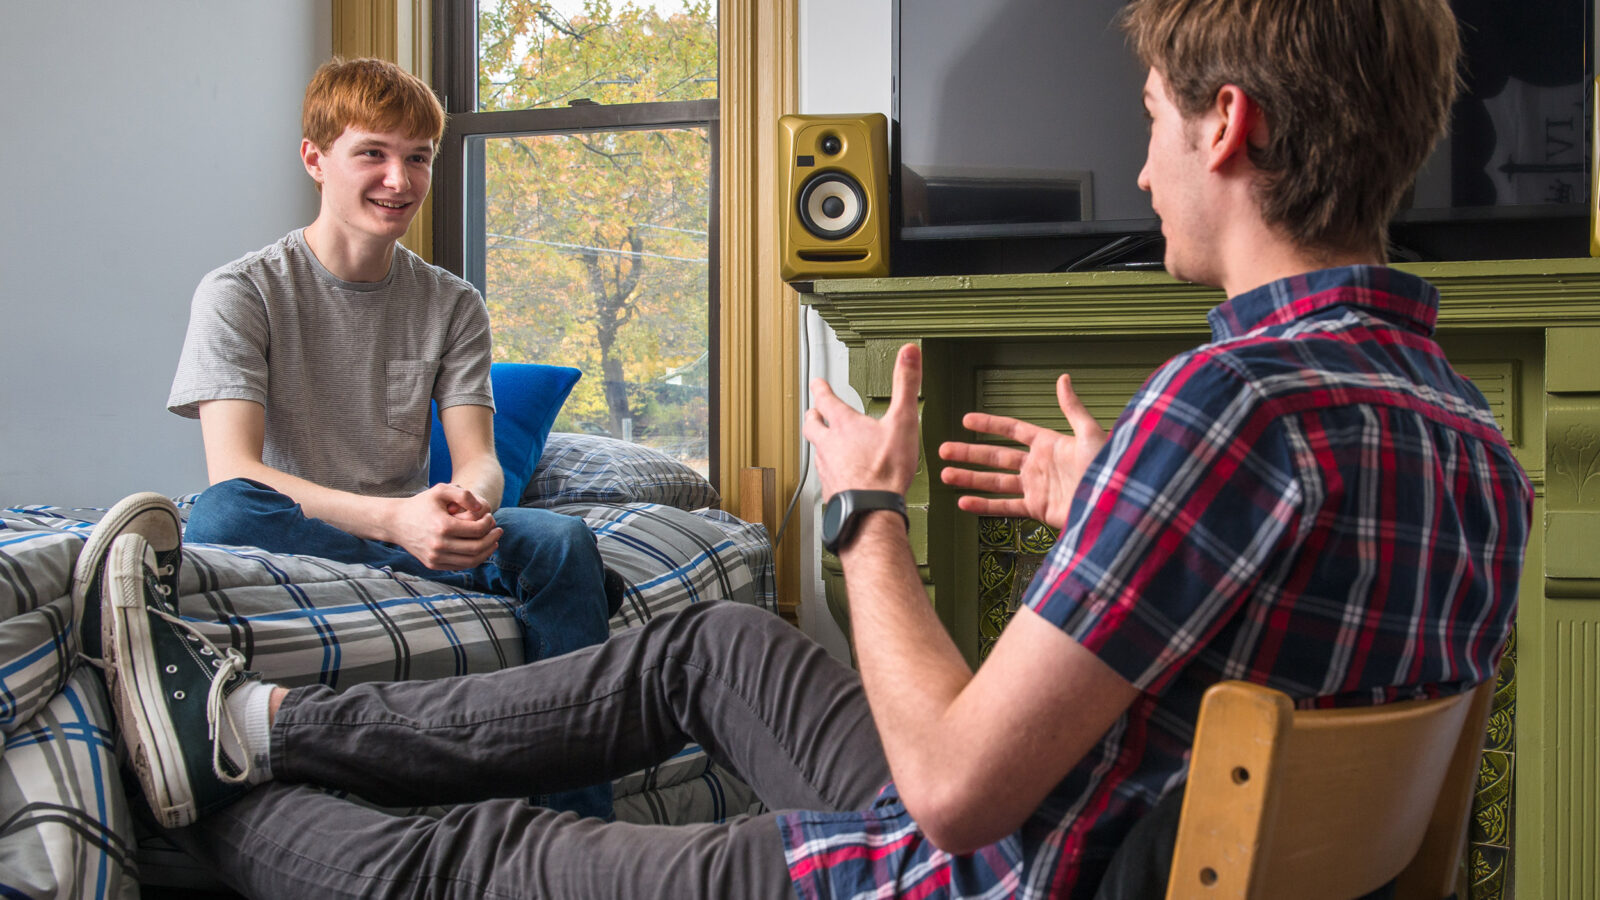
148, 515
169, 686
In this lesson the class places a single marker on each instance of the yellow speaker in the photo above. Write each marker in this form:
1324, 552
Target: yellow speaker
833, 183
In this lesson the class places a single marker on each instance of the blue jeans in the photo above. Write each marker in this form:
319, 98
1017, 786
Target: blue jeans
546, 561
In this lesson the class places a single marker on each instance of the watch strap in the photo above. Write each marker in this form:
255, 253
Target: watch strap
855, 504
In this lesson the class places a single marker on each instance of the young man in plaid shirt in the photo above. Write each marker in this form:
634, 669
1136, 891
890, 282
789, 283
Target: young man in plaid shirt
1314, 501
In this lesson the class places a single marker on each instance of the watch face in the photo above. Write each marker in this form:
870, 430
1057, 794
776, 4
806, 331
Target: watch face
832, 518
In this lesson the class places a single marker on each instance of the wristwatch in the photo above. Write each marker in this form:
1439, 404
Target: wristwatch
839, 516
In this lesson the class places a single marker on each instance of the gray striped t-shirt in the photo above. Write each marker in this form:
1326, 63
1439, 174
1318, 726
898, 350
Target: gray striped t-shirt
344, 369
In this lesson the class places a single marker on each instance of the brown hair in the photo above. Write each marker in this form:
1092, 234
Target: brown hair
1355, 94
371, 94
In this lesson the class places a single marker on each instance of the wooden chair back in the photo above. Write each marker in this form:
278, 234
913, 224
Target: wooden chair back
1327, 803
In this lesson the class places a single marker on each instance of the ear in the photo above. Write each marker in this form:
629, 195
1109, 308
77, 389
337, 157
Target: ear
1234, 120
311, 155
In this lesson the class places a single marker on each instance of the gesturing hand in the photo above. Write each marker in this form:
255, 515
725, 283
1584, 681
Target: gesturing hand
858, 452
1046, 474
446, 527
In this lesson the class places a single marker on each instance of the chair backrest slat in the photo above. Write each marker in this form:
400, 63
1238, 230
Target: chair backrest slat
1324, 803
1435, 871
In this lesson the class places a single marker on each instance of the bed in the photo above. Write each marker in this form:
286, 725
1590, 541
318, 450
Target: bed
66, 829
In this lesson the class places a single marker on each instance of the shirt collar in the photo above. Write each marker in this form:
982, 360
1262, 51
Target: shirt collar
1393, 294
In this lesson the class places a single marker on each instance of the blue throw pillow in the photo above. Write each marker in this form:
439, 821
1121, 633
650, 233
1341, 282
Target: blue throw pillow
527, 398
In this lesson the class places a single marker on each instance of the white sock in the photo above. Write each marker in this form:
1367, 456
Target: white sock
248, 706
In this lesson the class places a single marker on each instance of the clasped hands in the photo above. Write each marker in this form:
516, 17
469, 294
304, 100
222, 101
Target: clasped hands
446, 527
856, 452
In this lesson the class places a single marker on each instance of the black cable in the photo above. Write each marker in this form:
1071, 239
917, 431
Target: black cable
1110, 251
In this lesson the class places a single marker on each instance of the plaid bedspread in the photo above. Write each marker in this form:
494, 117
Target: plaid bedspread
65, 828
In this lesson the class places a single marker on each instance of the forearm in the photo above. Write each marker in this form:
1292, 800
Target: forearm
483, 477
913, 673
365, 517
972, 754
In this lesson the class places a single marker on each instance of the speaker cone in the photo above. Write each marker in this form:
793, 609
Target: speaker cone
832, 205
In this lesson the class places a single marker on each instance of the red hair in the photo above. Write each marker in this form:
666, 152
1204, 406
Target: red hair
370, 94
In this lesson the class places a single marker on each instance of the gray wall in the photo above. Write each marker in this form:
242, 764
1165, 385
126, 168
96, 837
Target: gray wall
147, 143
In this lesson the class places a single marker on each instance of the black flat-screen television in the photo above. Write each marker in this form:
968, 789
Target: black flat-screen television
1018, 136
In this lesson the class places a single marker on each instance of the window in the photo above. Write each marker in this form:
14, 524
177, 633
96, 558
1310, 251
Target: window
576, 189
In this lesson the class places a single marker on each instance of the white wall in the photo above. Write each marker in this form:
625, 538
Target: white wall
845, 56
147, 143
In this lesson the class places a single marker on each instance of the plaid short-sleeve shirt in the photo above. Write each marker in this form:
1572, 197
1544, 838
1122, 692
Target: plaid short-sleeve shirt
1315, 501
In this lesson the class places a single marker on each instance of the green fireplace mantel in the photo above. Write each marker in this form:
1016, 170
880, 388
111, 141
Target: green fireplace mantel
1526, 331
1477, 295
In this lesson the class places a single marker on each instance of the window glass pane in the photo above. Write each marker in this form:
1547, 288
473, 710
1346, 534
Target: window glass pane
595, 255
537, 53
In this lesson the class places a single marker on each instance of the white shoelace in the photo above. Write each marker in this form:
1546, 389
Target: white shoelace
233, 663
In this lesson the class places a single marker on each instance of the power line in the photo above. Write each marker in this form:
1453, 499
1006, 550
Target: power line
584, 248
699, 231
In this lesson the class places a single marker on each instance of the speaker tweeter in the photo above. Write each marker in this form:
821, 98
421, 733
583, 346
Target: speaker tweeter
834, 184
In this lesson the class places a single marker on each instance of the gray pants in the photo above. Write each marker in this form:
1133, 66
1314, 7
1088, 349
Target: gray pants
760, 697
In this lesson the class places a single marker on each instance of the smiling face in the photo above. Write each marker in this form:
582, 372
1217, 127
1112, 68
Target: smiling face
1174, 174
372, 183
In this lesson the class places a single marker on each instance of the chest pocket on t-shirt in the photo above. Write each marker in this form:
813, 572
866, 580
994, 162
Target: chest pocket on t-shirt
410, 386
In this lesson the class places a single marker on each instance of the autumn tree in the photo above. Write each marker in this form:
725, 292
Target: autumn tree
597, 240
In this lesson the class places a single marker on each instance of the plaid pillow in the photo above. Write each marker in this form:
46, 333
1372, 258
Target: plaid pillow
587, 468
68, 829
38, 643
685, 789
672, 558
